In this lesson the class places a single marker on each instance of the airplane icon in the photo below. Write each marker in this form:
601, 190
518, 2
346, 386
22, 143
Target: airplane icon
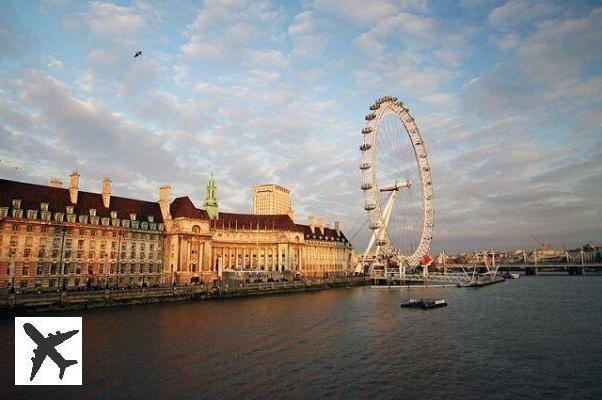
46, 347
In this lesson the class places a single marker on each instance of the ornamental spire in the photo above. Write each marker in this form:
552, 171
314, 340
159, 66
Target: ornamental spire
211, 199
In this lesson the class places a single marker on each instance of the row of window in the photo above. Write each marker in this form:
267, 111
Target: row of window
55, 253
29, 240
46, 215
53, 269
82, 232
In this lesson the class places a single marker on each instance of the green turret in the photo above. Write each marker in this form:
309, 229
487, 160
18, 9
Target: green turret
210, 199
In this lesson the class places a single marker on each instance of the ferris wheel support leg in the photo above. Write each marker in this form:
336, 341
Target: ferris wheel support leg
388, 210
368, 248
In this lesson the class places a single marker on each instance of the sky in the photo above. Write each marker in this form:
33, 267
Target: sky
507, 96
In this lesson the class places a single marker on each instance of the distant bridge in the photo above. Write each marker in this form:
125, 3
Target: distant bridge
533, 268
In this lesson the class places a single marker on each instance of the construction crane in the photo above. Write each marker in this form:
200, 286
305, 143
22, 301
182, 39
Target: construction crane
541, 242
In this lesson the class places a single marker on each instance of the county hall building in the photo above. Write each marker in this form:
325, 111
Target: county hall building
53, 237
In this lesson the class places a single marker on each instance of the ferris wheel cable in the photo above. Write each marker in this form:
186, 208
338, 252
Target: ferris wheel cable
392, 133
359, 229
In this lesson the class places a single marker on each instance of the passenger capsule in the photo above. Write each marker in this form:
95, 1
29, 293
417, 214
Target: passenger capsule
375, 225
367, 130
364, 166
370, 116
369, 207
365, 146
366, 186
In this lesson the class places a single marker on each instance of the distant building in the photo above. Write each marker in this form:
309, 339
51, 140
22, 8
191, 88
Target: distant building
271, 199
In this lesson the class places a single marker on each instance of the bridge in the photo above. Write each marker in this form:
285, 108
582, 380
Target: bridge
534, 268
469, 276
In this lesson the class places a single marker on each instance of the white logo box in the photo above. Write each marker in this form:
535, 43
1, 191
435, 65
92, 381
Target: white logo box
70, 350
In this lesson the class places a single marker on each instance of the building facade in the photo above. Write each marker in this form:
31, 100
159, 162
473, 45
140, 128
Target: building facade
52, 237
206, 247
272, 199
55, 237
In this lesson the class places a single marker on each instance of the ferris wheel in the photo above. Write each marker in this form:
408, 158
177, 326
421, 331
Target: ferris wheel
396, 184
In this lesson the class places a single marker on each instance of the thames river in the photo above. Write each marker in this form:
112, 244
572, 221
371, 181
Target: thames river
533, 338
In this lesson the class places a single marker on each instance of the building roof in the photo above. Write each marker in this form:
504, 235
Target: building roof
31, 195
183, 207
281, 222
270, 186
328, 233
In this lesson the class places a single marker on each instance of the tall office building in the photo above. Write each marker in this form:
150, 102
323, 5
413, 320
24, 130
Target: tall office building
271, 199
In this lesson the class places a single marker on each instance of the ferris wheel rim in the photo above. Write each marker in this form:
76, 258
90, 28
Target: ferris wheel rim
382, 108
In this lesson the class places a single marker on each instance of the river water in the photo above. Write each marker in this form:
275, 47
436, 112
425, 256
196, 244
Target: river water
532, 338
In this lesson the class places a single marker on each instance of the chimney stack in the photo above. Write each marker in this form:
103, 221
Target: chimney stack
73, 186
56, 183
321, 225
337, 227
106, 192
164, 194
312, 224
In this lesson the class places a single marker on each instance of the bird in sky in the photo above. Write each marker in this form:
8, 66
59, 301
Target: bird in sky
138, 53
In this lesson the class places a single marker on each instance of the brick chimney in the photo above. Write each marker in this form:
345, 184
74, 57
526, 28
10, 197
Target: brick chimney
106, 192
321, 225
164, 194
56, 183
73, 186
312, 224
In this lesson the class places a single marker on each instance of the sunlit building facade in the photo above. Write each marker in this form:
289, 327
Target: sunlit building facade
271, 199
205, 244
52, 237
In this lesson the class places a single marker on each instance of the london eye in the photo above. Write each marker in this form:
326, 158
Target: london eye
396, 185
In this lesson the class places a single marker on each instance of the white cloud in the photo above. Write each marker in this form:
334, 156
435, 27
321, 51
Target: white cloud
54, 63
113, 21
233, 30
517, 13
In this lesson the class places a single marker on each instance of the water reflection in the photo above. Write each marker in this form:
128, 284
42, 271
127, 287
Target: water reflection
517, 339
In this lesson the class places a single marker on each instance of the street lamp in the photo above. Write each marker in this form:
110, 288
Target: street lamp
12, 272
62, 261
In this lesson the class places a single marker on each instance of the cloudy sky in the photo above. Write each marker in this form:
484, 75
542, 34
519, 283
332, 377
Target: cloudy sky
508, 96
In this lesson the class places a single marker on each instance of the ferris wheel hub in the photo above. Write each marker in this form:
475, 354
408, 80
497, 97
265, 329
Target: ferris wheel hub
396, 186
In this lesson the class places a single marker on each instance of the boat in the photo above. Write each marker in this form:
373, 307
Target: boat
425, 304
508, 275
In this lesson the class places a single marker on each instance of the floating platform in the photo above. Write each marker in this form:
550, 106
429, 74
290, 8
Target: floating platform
450, 285
485, 283
424, 304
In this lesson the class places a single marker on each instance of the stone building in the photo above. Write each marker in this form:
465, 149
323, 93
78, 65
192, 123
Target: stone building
203, 245
52, 236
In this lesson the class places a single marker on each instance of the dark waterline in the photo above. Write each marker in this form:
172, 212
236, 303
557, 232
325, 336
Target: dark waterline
533, 338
